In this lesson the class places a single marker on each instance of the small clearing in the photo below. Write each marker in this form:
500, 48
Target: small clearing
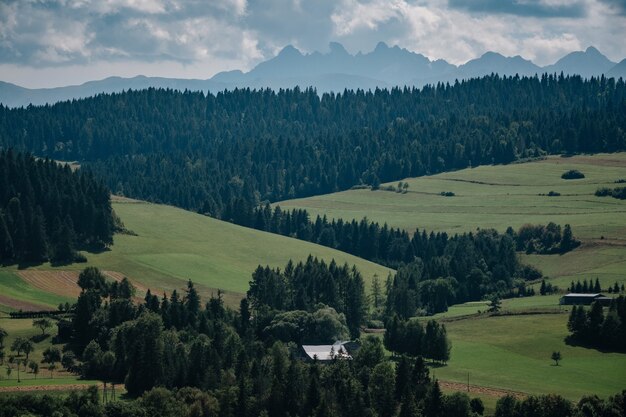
64, 283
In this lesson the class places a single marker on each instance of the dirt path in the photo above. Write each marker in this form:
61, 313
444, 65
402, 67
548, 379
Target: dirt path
475, 389
42, 388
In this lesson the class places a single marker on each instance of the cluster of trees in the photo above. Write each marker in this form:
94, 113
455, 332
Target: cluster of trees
445, 271
591, 287
279, 387
572, 174
547, 288
585, 287
365, 239
47, 211
181, 358
202, 151
557, 406
310, 286
410, 338
594, 328
546, 239
192, 402
617, 192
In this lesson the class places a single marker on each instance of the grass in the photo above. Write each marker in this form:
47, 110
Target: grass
508, 195
174, 245
24, 328
492, 197
513, 352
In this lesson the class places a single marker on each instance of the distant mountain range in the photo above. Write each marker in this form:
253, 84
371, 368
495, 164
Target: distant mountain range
333, 71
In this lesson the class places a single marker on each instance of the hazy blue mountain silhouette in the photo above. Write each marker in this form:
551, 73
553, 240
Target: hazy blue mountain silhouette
586, 64
618, 70
334, 70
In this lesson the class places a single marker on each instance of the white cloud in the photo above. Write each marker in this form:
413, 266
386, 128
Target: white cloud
189, 38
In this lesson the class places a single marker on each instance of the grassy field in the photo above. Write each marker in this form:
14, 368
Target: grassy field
493, 197
173, 245
501, 196
513, 352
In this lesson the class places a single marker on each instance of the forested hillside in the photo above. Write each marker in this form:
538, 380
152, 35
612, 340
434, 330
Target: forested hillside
242, 147
47, 211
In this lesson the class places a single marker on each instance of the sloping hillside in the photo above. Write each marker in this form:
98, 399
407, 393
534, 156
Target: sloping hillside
174, 245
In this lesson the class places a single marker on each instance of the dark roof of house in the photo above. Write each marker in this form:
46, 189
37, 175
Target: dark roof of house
583, 295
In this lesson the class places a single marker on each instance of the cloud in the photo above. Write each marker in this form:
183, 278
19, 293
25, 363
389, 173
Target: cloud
195, 38
63, 32
535, 8
619, 6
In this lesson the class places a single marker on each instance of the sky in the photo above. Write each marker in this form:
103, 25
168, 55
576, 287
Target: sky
48, 43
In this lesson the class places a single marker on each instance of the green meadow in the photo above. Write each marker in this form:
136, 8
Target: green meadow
512, 352
174, 245
499, 196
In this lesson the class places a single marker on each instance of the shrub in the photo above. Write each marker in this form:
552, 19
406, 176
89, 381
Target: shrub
572, 174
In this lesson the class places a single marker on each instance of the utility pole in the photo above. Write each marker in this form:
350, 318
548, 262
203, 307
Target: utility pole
468, 382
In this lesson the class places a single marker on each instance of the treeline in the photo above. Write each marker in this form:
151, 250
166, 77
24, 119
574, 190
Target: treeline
47, 211
202, 152
545, 239
554, 405
617, 192
192, 402
594, 328
310, 286
180, 356
381, 244
591, 287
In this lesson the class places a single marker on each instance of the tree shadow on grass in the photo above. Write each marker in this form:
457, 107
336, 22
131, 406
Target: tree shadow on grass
39, 337
570, 341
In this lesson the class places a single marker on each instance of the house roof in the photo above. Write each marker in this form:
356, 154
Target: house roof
326, 352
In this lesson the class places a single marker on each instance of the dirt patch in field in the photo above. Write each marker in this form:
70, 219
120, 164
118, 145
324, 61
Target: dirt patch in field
476, 389
61, 283
43, 388
64, 283
20, 305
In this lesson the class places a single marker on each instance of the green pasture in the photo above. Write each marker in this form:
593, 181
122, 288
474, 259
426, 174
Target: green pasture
174, 245
498, 196
492, 196
513, 352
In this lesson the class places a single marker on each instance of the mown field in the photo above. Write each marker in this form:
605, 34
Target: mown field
510, 195
171, 246
513, 352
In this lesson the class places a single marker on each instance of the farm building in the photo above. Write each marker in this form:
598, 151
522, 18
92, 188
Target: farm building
585, 299
338, 350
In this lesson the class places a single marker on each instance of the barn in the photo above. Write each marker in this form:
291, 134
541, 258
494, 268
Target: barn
585, 299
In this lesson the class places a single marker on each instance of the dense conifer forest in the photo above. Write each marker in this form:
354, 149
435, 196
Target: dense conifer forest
202, 152
178, 357
47, 211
